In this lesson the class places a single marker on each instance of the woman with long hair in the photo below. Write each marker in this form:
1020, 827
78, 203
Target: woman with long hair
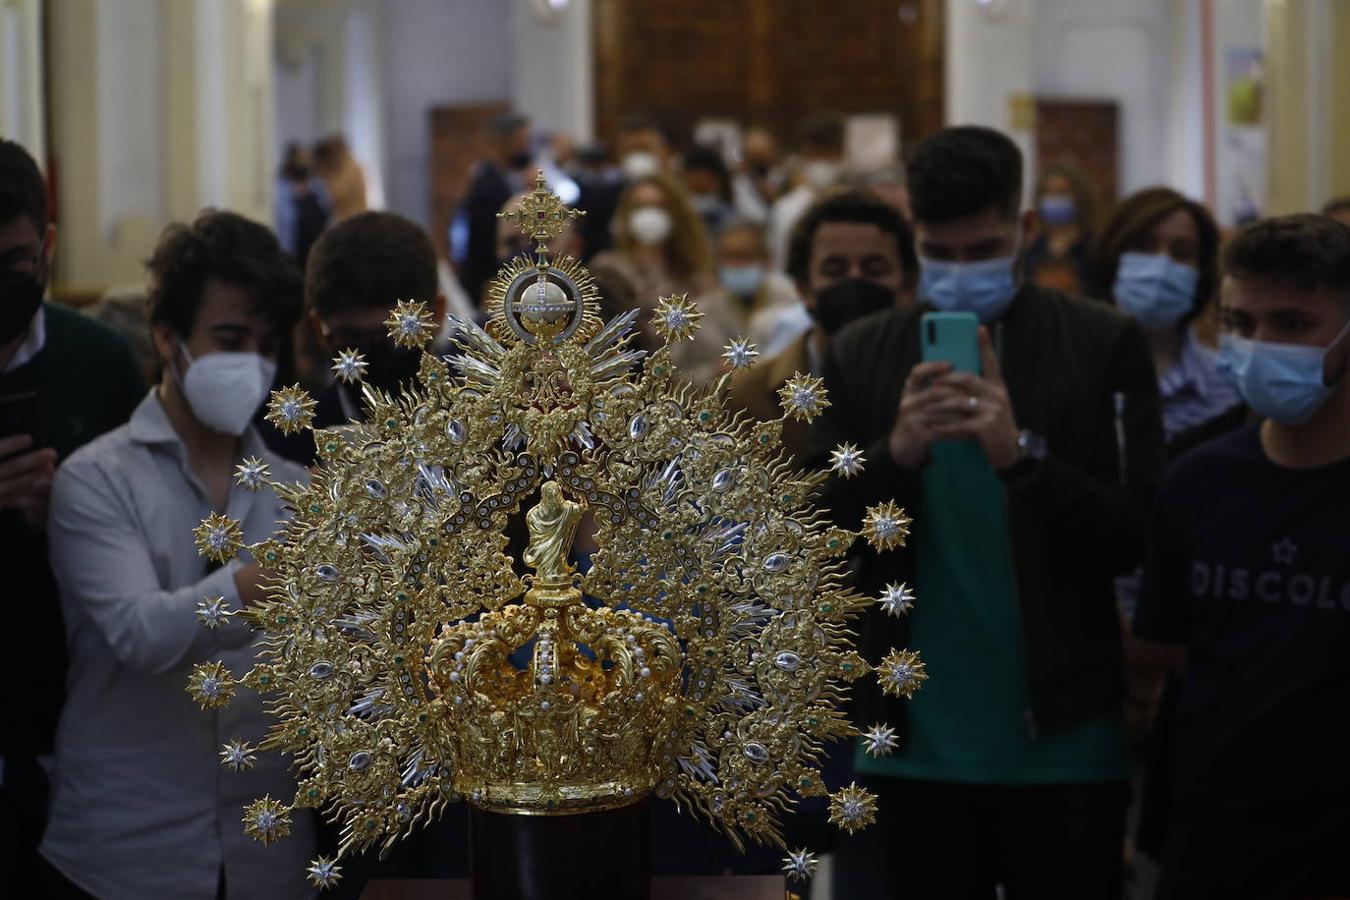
661, 248
1158, 262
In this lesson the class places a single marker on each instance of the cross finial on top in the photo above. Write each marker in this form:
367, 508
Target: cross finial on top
541, 214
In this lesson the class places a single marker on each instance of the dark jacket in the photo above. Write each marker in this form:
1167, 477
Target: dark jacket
1080, 375
87, 383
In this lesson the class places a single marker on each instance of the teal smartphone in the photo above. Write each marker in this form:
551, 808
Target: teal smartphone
951, 337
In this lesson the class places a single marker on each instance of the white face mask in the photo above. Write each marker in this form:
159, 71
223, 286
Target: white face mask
649, 225
224, 390
820, 174
640, 164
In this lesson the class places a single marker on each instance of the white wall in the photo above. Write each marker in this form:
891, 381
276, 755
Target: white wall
1118, 50
22, 117
553, 73
436, 52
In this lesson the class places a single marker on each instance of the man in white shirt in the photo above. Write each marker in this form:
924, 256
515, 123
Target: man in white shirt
141, 807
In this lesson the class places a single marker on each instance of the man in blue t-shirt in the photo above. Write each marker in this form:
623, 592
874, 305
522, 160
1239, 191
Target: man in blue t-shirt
1029, 485
1247, 586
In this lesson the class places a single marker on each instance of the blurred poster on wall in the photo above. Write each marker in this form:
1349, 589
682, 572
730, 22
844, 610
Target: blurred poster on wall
1241, 162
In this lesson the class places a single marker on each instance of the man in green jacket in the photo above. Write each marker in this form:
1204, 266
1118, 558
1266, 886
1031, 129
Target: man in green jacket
1029, 484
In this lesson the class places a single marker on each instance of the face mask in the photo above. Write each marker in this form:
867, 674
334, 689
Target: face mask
20, 296
743, 281
1154, 289
985, 288
1057, 209
844, 301
1282, 382
388, 367
640, 164
706, 204
820, 174
649, 225
224, 390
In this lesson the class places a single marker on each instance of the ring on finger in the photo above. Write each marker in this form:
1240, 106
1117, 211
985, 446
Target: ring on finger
972, 401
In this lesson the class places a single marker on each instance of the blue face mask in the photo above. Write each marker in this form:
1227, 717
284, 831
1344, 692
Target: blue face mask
1281, 382
985, 288
743, 281
1154, 289
1057, 209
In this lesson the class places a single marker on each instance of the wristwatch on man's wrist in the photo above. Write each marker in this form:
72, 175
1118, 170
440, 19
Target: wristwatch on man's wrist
1031, 449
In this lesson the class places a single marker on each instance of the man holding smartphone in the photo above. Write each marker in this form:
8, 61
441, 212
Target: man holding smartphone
1011, 765
64, 380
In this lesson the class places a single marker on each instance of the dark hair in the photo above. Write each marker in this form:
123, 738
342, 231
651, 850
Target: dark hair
639, 121
295, 163
1336, 204
1304, 251
23, 192
702, 158
822, 130
370, 261
856, 207
1135, 216
506, 124
963, 171
228, 247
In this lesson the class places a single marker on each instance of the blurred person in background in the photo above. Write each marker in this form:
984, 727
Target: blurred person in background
1029, 482
358, 271
64, 380
643, 148
599, 184
495, 178
888, 185
1061, 256
342, 176
820, 168
140, 805
708, 182
852, 255
1246, 587
122, 309
759, 177
303, 207
769, 311
1159, 256
1338, 209
661, 249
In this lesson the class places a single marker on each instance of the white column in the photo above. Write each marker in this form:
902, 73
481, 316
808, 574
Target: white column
553, 72
161, 107
22, 117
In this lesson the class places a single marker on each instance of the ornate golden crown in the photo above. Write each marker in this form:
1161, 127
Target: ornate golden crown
411, 661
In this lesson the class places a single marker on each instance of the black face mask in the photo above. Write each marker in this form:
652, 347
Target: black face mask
844, 301
389, 367
20, 296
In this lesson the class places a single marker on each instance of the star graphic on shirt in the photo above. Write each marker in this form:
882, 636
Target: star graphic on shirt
1284, 552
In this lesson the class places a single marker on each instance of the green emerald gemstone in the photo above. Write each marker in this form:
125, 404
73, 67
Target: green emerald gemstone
847, 667
751, 817
390, 423
827, 607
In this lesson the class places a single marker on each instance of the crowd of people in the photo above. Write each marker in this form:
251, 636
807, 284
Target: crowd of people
1126, 570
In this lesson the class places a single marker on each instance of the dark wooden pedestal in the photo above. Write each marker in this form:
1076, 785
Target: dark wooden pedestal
755, 887
602, 854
